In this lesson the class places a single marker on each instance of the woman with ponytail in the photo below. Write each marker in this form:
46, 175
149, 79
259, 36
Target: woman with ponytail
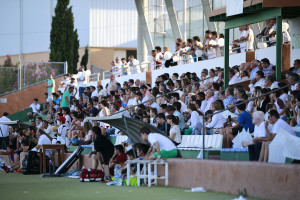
174, 133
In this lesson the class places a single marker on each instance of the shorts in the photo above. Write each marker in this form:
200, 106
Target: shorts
167, 154
235, 131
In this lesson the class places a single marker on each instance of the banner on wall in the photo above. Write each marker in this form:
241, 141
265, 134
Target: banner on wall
234, 7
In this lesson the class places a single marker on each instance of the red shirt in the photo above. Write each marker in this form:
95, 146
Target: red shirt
121, 158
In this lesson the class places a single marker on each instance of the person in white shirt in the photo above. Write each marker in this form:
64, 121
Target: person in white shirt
43, 139
48, 129
112, 86
101, 91
82, 80
254, 145
196, 121
242, 44
217, 120
270, 82
210, 98
161, 146
39, 122
278, 123
221, 45
248, 38
151, 102
94, 92
257, 81
232, 78
35, 109
119, 66
174, 133
4, 134
210, 48
134, 65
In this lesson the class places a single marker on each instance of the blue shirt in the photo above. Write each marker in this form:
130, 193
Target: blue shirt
245, 120
228, 100
253, 73
181, 119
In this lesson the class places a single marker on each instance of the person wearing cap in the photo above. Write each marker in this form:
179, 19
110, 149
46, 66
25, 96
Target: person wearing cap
4, 135
61, 131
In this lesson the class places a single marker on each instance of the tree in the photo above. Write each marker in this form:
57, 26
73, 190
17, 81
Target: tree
85, 58
62, 36
75, 49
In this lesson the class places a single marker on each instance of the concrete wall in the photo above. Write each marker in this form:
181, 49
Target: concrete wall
40, 57
102, 57
20, 100
261, 180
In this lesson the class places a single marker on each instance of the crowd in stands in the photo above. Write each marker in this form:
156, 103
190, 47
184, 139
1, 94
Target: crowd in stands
193, 49
176, 105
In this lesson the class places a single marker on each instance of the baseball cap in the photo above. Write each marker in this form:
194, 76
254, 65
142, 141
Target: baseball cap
62, 119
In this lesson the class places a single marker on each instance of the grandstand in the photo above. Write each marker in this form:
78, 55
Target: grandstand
221, 108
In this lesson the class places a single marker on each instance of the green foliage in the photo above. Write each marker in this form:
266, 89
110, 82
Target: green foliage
8, 76
62, 36
75, 49
85, 57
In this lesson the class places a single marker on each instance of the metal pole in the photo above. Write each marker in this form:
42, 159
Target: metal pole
226, 59
184, 20
203, 138
278, 47
21, 44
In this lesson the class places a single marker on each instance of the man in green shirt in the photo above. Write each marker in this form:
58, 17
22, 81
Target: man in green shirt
51, 87
66, 98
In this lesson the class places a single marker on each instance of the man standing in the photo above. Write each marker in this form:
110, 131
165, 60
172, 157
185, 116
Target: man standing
134, 65
81, 80
4, 134
65, 103
51, 87
249, 38
112, 86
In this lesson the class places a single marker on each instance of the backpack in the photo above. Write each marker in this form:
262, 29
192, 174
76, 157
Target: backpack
31, 163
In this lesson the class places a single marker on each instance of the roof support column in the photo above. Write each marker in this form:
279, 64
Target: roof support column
144, 25
207, 9
173, 19
278, 47
226, 59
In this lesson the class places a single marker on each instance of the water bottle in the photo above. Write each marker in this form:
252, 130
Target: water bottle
117, 175
2, 162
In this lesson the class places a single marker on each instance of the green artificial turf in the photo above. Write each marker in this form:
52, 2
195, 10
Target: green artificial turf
15, 186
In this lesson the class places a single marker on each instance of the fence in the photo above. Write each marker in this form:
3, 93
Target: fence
31, 73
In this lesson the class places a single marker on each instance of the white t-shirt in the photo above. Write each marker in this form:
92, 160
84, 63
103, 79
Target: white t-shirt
155, 105
4, 128
102, 93
211, 51
164, 142
95, 94
243, 44
135, 68
68, 121
35, 108
251, 39
176, 129
43, 139
82, 79
260, 131
234, 80
282, 124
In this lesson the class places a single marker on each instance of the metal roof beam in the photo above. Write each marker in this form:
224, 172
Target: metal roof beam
144, 25
173, 19
207, 9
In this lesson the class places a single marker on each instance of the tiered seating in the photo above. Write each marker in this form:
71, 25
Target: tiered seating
120, 139
195, 142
